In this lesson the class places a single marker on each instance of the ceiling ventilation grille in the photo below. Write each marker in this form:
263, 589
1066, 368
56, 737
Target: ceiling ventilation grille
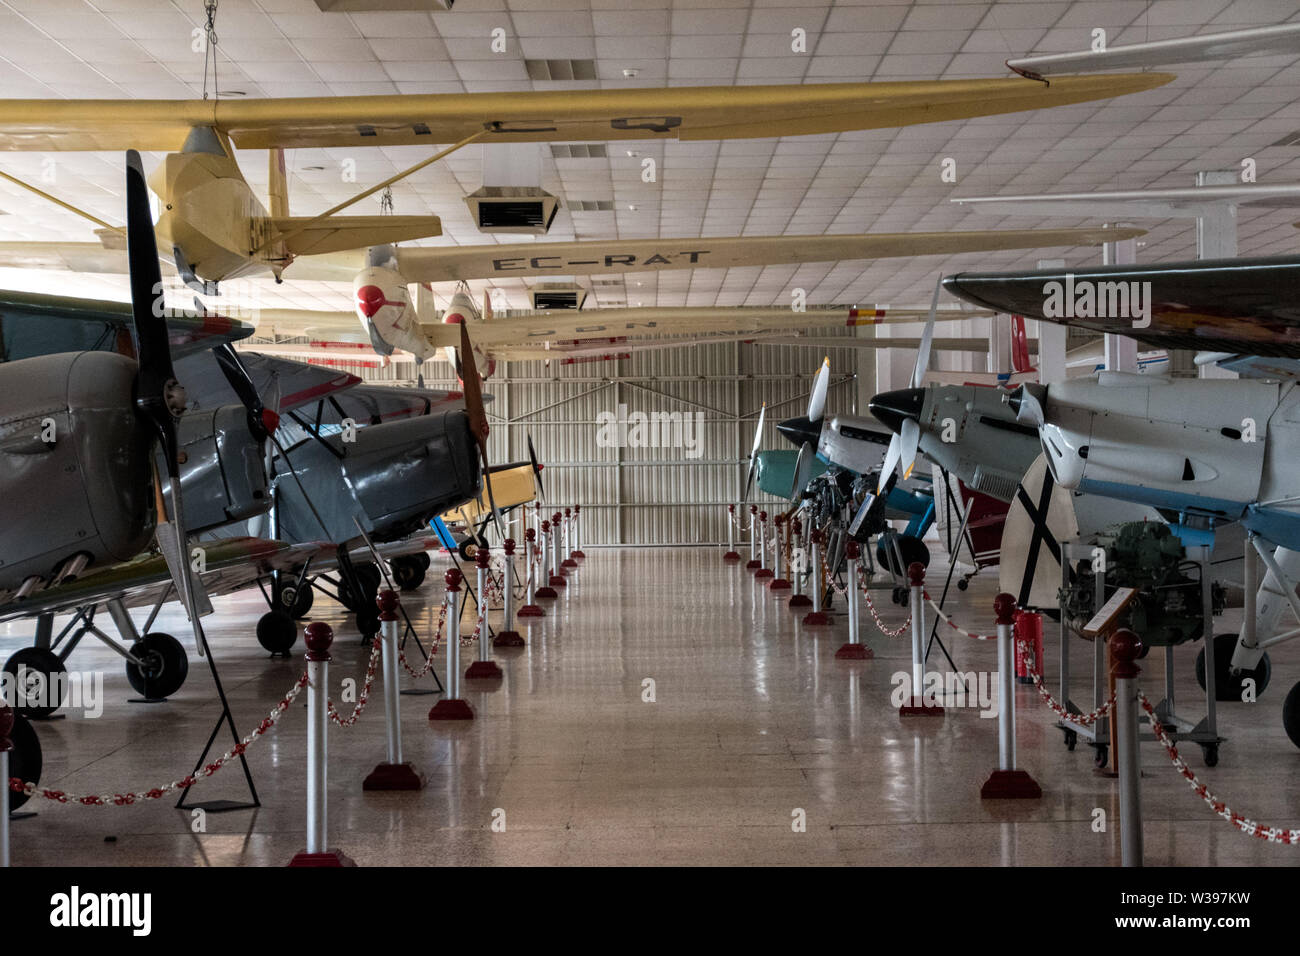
578, 151
591, 205
561, 69
381, 6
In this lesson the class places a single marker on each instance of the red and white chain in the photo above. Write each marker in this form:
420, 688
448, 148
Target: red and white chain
880, 625
1052, 702
157, 793
428, 663
365, 689
1244, 824
953, 624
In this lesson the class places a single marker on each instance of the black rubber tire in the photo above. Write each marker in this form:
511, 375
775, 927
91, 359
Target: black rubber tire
25, 760
277, 632
1071, 739
408, 574
962, 584
424, 560
1291, 715
1210, 754
912, 549
295, 601
35, 661
1101, 756
168, 666
467, 549
369, 577
1226, 685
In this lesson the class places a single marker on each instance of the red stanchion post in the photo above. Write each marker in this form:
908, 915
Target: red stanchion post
854, 650
557, 569
577, 532
508, 637
763, 571
568, 562
1006, 782
484, 668
530, 609
816, 617
732, 554
546, 591
319, 636
780, 582
452, 707
394, 773
797, 567
753, 563
917, 705
1126, 648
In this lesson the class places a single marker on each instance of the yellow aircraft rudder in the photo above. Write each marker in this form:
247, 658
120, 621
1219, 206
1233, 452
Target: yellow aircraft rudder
278, 190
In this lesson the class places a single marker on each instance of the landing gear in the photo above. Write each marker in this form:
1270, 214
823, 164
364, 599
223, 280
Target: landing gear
962, 584
1291, 715
1071, 739
294, 601
1227, 685
162, 669
363, 605
39, 677
408, 572
1101, 756
899, 596
25, 759
912, 549
1210, 753
277, 632
467, 549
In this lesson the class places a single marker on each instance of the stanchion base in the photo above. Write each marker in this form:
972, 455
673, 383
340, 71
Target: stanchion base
568, 563
530, 610
779, 584
483, 670
579, 555
507, 639
800, 600
393, 776
854, 652
330, 858
763, 573
816, 618
731, 556
557, 581
451, 710
544, 592
919, 708
753, 563
1010, 785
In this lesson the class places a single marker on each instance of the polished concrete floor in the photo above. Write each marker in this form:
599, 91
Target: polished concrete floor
754, 725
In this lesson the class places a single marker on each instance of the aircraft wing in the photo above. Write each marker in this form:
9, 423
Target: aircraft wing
283, 384
372, 404
687, 113
35, 324
616, 256
232, 563
309, 236
1237, 306
322, 265
1121, 205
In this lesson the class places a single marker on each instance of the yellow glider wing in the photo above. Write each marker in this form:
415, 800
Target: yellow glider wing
597, 257
343, 233
687, 113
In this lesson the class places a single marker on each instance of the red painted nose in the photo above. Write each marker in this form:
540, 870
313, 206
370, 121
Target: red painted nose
370, 299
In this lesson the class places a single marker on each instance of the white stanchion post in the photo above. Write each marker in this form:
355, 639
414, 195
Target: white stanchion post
577, 532
1006, 782
6, 745
452, 706
508, 636
1125, 648
854, 650
816, 616
544, 573
918, 704
319, 636
530, 608
732, 554
484, 668
569, 543
780, 582
753, 539
762, 571
557, 569
394, 773
798, 599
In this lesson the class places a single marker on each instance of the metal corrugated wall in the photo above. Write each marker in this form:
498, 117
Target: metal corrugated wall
648, 495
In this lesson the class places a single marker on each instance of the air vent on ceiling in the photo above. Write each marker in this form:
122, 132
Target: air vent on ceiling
512, 209
1290, 139
557, 295
578, 151
605, 282
561, 69
382, 6
590, 205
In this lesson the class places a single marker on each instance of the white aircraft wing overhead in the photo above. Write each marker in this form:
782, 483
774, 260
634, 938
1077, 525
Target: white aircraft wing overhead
1255, 41
1188, 203
98, 259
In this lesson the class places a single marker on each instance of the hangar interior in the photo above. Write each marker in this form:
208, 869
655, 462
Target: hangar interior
670, 706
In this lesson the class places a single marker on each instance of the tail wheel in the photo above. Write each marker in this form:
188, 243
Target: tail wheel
39, 677
162, 669
25, 759
1291, 715
277, 632
467, 549
1227, 685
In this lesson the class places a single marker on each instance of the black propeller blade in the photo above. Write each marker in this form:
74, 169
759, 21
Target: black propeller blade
537, 469
262, 421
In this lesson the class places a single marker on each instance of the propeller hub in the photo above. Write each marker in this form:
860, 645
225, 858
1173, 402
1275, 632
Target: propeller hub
801, 431
891, 409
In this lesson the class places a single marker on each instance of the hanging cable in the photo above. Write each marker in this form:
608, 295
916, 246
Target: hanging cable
210, 47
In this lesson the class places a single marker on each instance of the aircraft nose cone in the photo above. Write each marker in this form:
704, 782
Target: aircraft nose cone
370, 299
891, 409
800, 430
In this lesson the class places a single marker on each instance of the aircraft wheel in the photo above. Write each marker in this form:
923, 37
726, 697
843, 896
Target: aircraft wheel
1291, 715
423, 560
38, 674
277, 632
467, 549
912, 549
1101, 756
1071, 739
25, 759
962, 584
407, 573
1210, 753
295, 601
1228, 686
163, 669
899, 596
370, 579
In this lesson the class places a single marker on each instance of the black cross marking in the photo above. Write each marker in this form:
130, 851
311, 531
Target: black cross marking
1042, 533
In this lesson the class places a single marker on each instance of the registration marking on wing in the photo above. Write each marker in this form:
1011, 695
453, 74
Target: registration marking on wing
609, 261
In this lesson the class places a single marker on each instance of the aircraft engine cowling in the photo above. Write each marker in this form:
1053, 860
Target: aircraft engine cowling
88, 491
461, 309
223, 474
383, 306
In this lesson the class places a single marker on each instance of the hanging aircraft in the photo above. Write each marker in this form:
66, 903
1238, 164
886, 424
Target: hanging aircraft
1206, 452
